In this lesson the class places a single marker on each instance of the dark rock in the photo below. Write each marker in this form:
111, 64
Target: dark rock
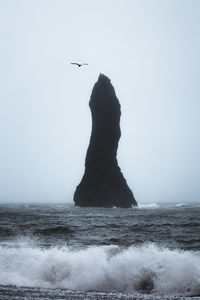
103, 184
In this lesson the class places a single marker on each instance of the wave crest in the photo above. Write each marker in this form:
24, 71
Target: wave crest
145, 269
150, 205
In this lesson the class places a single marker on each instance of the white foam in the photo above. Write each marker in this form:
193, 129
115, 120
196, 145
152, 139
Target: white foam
103, 268
181, 204
150, 205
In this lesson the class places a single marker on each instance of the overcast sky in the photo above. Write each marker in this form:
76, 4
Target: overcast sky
149, 49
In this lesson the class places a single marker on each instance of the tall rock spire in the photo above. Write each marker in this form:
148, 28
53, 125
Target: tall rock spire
103, 184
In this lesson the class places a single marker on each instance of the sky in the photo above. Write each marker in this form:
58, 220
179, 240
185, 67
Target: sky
150, 51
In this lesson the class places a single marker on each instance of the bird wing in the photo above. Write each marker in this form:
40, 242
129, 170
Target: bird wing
75, 64
84, 64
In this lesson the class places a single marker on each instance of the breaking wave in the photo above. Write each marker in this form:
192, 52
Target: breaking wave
144, 269
150, 205
181, 204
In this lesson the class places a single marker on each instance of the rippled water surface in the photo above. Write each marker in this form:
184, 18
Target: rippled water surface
65, 252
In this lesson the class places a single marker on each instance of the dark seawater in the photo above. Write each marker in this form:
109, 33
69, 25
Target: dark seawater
56, 251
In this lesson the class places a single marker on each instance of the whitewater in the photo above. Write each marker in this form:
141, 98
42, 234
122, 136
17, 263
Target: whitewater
64, 252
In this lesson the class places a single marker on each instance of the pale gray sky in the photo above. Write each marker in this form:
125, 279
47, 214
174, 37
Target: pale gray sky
150, 50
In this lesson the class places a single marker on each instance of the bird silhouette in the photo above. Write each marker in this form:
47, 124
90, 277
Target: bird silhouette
79, 65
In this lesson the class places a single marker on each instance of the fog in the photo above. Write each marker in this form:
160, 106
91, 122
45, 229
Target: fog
149, 50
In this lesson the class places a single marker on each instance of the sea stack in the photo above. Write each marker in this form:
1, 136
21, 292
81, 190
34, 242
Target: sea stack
103, 184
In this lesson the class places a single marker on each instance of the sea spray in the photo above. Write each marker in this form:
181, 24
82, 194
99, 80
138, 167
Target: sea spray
144, 269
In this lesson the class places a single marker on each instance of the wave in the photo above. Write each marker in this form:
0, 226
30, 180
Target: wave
151, 205
181, 204
5, 231
54, 230
144, 269
168, 205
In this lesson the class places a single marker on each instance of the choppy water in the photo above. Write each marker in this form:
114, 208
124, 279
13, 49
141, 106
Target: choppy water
65, 252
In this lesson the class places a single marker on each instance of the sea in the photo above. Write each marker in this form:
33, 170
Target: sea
58, 251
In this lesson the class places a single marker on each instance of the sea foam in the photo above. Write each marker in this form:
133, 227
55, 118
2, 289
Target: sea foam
144, 269
150, 206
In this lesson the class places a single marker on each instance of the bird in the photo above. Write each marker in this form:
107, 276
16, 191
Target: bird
79, 65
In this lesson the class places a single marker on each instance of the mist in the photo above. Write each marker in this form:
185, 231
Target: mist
149, 50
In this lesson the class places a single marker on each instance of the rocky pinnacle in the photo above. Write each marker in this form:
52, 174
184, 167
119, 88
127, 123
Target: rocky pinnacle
103, 184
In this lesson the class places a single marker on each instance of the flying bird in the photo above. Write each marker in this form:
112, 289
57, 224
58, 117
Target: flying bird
79, 65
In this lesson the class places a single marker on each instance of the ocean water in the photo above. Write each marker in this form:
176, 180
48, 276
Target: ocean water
58, 251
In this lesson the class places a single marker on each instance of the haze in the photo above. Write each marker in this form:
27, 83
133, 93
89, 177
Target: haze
149, 49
